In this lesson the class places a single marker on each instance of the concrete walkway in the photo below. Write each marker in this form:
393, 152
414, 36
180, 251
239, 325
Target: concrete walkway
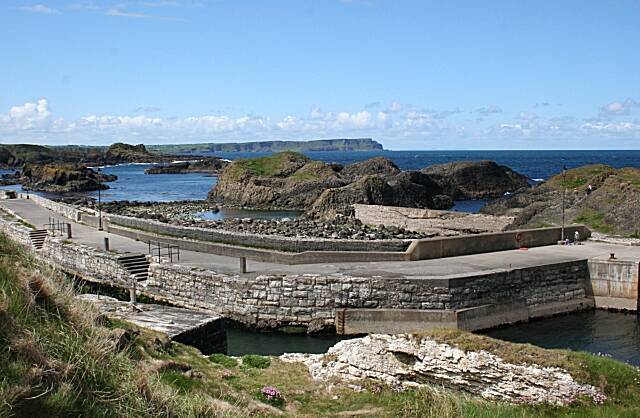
471, 264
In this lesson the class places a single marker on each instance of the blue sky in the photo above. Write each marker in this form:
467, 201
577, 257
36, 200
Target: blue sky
410, 74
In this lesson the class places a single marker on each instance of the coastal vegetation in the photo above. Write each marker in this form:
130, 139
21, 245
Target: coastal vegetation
59, 357
610, 206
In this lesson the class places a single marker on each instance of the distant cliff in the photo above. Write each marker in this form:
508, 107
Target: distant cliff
346, 144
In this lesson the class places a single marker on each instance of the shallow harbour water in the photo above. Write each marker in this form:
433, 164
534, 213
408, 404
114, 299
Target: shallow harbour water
600, 332
613, 334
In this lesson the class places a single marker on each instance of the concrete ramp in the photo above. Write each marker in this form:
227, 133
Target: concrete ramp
202, 330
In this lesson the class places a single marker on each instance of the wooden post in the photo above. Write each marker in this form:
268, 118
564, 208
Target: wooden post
106, 243
243, 264
68, 231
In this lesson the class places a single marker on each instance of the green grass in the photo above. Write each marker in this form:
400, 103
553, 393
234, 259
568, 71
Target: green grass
581, 177
630, 175
268, 166
25, 223
183, 384
223, 360
304, 176
255, 361
595, 220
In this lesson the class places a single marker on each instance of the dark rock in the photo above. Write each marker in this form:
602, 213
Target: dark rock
292, 181
475, 179
374, 166
63, 178
209, 166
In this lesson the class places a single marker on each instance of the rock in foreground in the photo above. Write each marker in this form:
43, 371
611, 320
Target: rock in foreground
406, 361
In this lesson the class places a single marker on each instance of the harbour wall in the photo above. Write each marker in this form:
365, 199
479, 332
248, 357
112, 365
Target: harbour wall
475, 301
315, 300
615, 283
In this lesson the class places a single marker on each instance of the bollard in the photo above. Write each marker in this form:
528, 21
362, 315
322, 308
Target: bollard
106, 243
132, 292
68, 231
243, 264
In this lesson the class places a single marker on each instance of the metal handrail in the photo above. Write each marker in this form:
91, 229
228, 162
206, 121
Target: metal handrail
55, 226
159, 249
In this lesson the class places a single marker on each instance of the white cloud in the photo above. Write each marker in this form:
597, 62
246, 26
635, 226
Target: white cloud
527, 116
36, 123
618, 108
604, 127
30, 115
418, 120
40, 8
114, 11
120, 12
395, 107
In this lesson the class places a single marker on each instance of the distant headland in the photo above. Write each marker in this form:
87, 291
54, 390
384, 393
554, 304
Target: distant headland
341, 144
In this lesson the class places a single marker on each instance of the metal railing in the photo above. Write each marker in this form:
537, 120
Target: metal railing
56, 227
160, 249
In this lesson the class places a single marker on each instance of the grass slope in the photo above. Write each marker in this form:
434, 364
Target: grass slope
59, 359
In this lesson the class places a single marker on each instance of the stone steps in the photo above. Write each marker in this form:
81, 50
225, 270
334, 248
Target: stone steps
37, 238
136, 265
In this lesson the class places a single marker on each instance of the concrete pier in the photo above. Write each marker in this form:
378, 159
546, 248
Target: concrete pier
202, 330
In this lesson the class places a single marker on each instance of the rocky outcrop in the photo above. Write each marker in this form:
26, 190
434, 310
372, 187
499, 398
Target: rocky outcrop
293, 181
124, 153
405, 361
408, 189
206, 166
611, 207
284, 181
464, 180
63, 178
377, 166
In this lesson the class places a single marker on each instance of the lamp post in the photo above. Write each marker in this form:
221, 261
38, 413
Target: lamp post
564, 190
99, 199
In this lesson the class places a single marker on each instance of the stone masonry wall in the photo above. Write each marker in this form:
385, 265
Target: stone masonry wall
271, 301
312, 300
